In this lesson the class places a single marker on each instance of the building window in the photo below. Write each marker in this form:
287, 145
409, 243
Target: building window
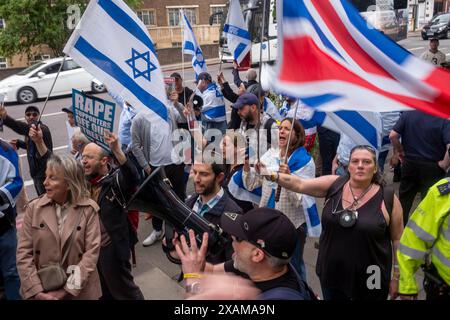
2, 24
147, 17
174, 15
3, 63
216, 9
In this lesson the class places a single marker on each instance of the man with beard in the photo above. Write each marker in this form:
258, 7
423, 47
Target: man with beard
111, 189
247, 108
210, 199
263, 241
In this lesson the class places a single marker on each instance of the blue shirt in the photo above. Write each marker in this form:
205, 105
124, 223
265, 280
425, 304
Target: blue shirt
201, 208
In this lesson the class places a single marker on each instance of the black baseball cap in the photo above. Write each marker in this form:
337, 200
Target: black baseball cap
32, 109
204, 76
175, 75
266, 228
67, 110
245, 99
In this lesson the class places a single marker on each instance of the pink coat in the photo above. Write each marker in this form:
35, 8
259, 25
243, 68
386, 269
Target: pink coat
40, 244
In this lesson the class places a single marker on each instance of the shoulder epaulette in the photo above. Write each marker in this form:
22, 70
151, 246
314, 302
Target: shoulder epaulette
444, 188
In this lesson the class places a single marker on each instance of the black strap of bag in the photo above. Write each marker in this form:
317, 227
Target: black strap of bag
388, 192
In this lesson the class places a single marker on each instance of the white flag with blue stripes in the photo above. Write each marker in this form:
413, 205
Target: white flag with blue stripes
236, 31
363, 127
238, 190
112, 44
190, 46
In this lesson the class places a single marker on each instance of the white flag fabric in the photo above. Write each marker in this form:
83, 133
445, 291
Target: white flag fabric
236, 31
190, 46
112, 44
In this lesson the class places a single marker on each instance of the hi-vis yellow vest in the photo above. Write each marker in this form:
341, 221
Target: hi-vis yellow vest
427, 231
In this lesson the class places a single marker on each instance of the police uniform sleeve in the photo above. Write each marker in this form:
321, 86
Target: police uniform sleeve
418, 237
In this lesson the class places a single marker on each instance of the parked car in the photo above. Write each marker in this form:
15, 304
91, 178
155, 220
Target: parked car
35, 81
438, 27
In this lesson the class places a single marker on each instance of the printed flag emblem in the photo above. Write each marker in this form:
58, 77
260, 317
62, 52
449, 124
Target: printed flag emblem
139, 60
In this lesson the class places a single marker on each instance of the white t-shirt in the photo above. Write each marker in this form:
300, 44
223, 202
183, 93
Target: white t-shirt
437, 58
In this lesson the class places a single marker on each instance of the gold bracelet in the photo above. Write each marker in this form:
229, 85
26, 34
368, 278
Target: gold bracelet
274, 176
191, 276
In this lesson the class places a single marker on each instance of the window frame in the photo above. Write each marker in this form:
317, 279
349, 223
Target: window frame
194, 8
149, 12
211, 11
3, 65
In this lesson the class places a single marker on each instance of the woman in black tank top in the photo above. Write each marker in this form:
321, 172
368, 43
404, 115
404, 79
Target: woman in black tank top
359, 235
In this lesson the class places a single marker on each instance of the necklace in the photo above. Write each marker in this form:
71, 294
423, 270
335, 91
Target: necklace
361, 195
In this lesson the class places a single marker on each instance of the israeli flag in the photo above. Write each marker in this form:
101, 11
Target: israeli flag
238, 190
190, 46
111, 43
363, 127
235, 29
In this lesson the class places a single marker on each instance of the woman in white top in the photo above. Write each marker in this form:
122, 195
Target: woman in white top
292, 204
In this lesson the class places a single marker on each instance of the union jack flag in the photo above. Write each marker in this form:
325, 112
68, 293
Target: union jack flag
331, 58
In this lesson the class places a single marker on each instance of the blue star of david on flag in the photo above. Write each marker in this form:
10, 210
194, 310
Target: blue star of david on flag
200, 61
146, 73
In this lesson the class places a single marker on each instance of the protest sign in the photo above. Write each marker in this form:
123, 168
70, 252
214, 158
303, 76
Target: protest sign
93, 116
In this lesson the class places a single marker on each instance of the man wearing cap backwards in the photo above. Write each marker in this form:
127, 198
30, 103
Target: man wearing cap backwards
263, 241
247, 108
213, 110
38, 143
70, 126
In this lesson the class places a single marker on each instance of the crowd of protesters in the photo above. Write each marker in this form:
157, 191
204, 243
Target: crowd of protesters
80, 222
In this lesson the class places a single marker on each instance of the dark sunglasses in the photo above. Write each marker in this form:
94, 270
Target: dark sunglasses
31, 114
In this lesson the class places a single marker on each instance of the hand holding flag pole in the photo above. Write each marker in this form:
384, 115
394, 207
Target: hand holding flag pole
283, 160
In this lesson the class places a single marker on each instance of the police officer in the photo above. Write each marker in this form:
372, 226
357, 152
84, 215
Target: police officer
426, 241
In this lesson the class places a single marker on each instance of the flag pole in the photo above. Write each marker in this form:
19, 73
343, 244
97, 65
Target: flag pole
260, 70
53, 85
284, 159
221, 58
182, 56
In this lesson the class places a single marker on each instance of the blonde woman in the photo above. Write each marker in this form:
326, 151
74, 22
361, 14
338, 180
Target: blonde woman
62, 222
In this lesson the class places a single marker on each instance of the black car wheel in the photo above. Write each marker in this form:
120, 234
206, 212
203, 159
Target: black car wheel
448, 34
26, 95
424, 37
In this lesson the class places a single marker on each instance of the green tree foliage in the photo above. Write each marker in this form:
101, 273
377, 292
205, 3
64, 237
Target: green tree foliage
31, 23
